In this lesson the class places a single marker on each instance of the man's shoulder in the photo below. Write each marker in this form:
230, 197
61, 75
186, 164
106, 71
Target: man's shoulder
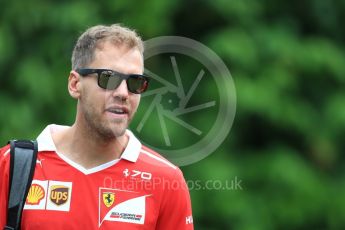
150, 158
4, 161
156, 158
163, 172
4, 152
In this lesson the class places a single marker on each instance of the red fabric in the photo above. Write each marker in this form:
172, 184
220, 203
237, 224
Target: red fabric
146, 194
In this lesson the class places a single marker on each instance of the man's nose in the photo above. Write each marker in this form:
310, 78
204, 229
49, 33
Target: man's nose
121, 90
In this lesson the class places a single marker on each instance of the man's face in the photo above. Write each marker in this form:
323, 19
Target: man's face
109, 112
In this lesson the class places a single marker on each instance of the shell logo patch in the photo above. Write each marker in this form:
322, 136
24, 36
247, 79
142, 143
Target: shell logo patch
35, 195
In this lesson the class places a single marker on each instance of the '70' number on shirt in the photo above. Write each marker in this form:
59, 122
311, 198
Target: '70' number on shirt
137, 174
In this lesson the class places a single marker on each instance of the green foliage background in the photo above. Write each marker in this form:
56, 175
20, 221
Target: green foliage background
287, 61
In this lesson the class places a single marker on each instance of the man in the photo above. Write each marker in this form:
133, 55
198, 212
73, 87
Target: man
96, 174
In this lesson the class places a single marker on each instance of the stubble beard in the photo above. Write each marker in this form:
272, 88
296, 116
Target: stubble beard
103, 129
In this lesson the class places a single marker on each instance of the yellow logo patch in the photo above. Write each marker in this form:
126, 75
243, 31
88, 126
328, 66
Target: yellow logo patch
35, 195
108, 198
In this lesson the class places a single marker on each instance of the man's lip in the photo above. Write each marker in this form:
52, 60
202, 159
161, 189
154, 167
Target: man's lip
124, 109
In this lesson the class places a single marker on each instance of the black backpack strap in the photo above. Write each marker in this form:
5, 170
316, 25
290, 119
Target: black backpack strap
22, 167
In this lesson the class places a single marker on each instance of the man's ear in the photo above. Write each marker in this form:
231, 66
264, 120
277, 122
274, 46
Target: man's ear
74, 86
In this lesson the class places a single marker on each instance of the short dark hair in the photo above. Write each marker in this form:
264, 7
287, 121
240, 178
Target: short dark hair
83, 52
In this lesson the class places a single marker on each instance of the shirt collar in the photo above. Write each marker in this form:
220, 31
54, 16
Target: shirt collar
46, 143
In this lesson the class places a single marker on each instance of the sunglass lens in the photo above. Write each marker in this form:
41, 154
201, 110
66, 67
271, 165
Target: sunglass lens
137, 84
109, 80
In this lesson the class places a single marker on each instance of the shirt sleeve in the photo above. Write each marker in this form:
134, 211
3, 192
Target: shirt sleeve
4, 179
175, 212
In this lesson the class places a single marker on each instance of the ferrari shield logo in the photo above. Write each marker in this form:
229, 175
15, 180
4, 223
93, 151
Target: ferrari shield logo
108, 198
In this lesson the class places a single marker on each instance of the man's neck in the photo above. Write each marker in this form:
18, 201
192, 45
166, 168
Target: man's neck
88, 150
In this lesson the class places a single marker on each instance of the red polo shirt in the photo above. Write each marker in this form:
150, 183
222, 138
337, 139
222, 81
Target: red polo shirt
141, 190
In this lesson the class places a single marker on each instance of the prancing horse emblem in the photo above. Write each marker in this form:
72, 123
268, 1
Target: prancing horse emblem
108, 198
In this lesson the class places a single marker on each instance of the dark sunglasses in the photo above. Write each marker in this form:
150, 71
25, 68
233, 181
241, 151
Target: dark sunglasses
110, 79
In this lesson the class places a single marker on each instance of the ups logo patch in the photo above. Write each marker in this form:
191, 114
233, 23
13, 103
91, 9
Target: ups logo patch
59, 194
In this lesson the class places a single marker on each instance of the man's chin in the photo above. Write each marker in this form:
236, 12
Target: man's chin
115, 129
119, 133
118, 130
